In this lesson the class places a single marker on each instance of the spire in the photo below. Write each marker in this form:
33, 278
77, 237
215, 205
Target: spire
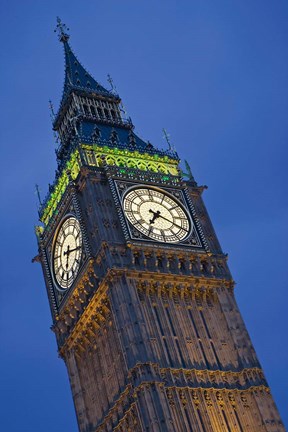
76, 76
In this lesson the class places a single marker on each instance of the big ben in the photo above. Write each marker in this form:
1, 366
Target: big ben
141, 296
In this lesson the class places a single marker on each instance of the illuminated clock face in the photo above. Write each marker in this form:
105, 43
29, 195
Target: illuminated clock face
157, 215
67, 252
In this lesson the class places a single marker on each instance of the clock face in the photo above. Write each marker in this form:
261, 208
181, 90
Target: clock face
67, 252
157, 215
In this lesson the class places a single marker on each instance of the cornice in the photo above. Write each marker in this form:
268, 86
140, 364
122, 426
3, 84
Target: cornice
212, 397
122, 162
72, 323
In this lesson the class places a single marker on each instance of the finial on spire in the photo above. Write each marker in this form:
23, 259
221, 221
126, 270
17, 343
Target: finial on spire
189, 172
52, 112
53, 116
56, 137
37, 191
167, 138
111, 82
62, 30
123, 110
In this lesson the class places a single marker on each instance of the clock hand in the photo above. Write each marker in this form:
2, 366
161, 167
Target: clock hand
173, 223
67, 252
155, 216
71, 250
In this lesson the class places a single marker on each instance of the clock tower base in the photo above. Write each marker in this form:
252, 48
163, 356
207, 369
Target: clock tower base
164, 352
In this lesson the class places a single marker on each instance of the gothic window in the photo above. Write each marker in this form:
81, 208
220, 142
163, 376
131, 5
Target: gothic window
90, 158
163, 169
132, 138
100, 112
110, 160
114, 137
159, 262
120, 162
209, 301
96, 133
136, 259
152, 167
175, 297
131, 163
198, 300
205, 266
113, 114
106, 112
92, 109
170, 321
158, 320
182, 265
180, 353
99, 161
86, 109
141, 296
141, 165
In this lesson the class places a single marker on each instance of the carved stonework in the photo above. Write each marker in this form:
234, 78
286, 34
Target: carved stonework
148, 325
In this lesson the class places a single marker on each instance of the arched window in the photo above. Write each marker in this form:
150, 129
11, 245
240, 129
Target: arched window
92, 109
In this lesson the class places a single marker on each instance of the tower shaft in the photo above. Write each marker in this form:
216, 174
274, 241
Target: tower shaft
141, 295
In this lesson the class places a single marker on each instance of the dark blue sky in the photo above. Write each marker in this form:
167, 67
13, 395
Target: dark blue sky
215, 75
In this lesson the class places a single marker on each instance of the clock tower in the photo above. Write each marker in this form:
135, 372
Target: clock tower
141, 295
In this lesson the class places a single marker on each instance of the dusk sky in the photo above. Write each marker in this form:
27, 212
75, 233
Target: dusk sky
215, 75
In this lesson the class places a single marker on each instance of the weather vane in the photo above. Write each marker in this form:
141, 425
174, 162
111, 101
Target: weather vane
62, 30
167, 137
